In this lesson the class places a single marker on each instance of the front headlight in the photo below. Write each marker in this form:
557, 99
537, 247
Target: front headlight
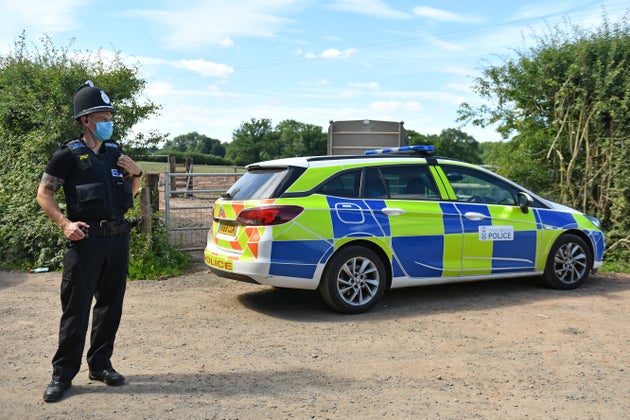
594, 220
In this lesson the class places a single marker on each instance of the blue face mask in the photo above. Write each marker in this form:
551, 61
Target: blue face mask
104, 130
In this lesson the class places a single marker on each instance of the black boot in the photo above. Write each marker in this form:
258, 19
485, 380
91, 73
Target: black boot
55, 389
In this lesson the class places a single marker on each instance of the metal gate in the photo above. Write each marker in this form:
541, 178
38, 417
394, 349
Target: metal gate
188, 201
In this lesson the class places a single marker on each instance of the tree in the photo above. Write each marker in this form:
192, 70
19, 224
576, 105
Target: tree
195, 142
36, 117
300, 139
415, 138
458, 145
566, 102
144, 144
253, 141
451, 142
258, 140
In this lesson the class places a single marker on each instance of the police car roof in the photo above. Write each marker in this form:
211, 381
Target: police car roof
389, 152
305, 162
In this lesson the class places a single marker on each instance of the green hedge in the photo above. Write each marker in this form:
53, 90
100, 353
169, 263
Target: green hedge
180, 157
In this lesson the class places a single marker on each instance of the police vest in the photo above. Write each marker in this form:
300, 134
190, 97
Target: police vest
96, 190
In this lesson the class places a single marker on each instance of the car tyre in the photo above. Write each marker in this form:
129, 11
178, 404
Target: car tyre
354, 280
569, 263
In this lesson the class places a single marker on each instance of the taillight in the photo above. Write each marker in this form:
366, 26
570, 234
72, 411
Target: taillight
266, 216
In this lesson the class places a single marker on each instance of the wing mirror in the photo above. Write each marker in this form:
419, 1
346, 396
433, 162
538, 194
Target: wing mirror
524, 201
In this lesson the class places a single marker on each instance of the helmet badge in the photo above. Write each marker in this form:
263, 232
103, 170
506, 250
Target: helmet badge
105, 98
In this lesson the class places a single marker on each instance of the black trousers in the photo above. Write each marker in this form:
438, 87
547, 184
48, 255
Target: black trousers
94, 268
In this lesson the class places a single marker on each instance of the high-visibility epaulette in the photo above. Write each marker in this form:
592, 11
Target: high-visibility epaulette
81, 155
80, 152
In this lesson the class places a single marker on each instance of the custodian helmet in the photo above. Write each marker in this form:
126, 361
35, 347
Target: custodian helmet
89, 98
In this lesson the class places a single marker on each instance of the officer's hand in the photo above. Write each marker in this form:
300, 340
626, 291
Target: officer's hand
76, 231
128, 165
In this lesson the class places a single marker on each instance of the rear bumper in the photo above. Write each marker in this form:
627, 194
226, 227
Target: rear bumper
233, 276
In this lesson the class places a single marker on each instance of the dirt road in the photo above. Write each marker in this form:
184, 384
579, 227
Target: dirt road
198, 347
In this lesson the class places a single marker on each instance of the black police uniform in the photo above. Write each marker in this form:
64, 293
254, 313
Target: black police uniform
95, 267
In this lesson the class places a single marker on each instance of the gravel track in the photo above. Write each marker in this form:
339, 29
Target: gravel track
201, 347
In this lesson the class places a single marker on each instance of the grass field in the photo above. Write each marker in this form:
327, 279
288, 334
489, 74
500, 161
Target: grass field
153, 167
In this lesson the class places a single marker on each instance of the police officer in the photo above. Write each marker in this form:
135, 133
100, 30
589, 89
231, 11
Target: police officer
99, 182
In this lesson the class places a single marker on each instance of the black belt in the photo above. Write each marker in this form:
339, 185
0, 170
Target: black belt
108, 227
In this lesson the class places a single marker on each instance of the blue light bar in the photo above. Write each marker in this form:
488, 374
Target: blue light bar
403, 149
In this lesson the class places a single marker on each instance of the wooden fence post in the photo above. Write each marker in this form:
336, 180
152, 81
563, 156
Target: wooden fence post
149, 201
172, 168
151, 182
189, 179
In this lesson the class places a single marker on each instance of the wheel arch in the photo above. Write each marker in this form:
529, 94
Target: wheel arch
566, 267
586, 239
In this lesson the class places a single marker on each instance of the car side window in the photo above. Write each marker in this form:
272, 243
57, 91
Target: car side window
373, 185
345, 184
473, 186
410, 182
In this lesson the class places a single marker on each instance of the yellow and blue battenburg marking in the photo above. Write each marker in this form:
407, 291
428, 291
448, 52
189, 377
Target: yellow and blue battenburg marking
430, 240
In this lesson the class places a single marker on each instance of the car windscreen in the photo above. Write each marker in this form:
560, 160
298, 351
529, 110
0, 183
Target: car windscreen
257, 184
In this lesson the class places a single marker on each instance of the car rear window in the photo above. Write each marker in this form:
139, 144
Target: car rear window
262, 183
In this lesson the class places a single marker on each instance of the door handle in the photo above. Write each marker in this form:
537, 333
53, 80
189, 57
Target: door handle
392, 211
474, 216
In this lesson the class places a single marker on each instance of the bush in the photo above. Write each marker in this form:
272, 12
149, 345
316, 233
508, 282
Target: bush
36, 90
152, 256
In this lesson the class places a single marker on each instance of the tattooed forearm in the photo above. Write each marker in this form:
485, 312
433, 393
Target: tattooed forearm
51, 183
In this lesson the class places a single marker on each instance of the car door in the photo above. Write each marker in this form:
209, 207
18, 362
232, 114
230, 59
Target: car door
426, 241
498, 236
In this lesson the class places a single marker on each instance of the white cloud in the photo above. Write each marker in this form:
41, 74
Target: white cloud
462, 71
159, 89
448, 46
148, 61
37, 17
182, 113
322, 82
332, 53
217, 22
168, 92
368, 85
463, 87
546, 10
335, 53
376, 8
395, 106
587, 14
205, 68
43, 15
428, 95
443, 15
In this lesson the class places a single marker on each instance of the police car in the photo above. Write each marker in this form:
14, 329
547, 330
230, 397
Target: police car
353, 227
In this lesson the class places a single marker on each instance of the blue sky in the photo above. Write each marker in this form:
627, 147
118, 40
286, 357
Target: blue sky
214, 64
